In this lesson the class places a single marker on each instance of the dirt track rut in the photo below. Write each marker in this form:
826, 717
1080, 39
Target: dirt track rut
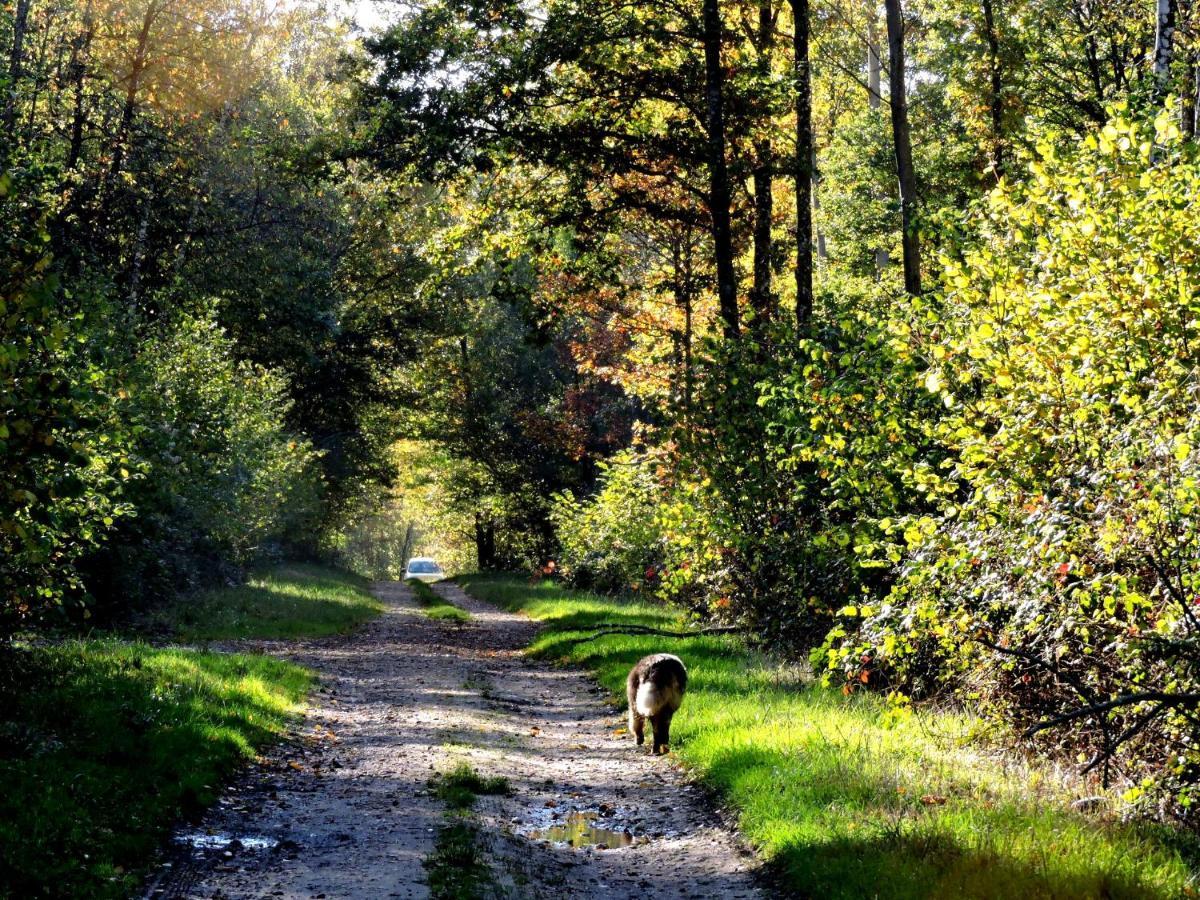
345, 810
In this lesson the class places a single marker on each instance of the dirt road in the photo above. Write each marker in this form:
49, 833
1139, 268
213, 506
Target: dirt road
347, 811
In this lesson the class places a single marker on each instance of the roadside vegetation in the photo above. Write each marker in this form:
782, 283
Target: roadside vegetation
434, 606
848, 799
105, 745
289, 601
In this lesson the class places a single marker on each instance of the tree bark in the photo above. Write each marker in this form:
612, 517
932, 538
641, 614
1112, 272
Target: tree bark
1164, 36
902, 141
15, 59
80, 50
485, 542
803, 162
1191, 99
822, 254
762, 298
718, 172
996, 93
874, 66
874, 95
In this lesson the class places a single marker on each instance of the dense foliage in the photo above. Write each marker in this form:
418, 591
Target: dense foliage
872, 330
981, 488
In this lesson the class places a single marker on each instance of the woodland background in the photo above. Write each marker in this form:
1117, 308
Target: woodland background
872, 330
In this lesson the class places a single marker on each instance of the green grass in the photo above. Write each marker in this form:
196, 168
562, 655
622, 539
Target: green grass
434, 606
292, 601
847, 802
104, 745
459, 787
457, 868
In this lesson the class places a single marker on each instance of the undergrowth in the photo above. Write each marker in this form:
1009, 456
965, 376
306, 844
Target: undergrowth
848, 800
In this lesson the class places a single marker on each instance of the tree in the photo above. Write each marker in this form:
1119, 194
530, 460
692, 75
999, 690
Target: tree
902, 142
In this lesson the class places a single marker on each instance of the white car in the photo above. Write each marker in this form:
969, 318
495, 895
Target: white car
423, 569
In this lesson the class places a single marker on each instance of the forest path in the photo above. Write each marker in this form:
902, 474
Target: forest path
346, 810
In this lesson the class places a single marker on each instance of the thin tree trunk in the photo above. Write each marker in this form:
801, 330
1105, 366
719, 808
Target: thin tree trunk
78, 67
822, 255
762, 298
996, 94
874, 95
764, 210
718, 173
1164, 36
903, 148
15, 59
1187, 98
139, 255
136, 71
803, 162
874, 66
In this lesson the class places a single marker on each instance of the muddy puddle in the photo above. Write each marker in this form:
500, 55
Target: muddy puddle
579, 829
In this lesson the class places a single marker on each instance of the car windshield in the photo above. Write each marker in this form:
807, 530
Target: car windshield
423, 567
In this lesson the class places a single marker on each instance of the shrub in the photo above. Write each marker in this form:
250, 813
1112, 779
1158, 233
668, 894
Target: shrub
63, 452
1063, 578
222, 479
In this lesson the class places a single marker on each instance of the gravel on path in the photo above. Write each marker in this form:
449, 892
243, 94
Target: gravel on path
345, 809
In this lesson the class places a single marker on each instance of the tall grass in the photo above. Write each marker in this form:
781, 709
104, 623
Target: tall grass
848, 801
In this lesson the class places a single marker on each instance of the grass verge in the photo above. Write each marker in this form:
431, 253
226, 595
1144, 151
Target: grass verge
434, 606
846, 801
104, 745
290, 601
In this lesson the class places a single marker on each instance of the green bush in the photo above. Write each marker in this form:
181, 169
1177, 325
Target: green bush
63, 451
222, 479
1063, 573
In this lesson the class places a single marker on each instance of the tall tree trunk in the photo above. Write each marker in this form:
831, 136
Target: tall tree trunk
803, 162
874, 95
15, 59
718, 172
822, 255
80, 49
874, 65
137, 69
762, 298
1191, 99
1164, 36
485, 542
139, 256
996, 93
903, 147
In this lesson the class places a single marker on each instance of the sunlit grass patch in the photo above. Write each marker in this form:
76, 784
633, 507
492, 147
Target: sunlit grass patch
284, 602
459, 787
434, 606
104, 745
846, 801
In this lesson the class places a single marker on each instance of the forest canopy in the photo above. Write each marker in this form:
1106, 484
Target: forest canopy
872, 330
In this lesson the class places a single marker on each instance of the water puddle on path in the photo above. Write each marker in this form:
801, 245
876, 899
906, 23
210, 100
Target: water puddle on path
200, 840
579, 829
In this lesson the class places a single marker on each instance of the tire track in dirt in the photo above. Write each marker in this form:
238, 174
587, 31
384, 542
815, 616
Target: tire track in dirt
345, 810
